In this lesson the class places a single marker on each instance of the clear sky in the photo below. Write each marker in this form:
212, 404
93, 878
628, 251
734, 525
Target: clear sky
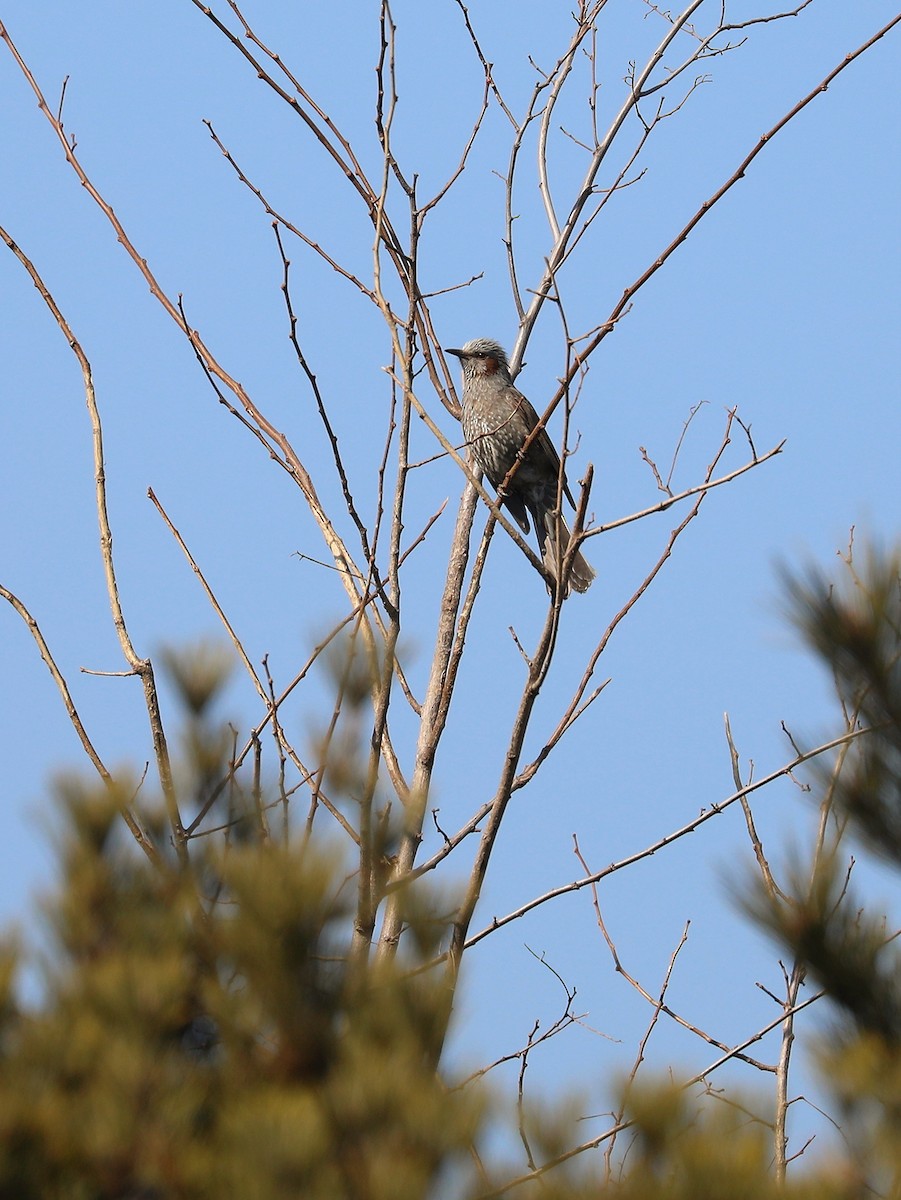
784, 301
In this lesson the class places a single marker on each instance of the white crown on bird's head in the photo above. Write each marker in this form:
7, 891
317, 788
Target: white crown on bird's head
483, 348
486, 346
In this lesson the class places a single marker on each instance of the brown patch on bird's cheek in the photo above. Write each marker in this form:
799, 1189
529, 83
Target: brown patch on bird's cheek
489, 365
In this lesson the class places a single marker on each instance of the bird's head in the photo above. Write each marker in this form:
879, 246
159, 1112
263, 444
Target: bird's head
482, 358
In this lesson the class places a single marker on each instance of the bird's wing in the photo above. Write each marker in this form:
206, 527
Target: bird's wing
543, 444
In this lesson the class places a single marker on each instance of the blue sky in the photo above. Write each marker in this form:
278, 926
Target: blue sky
784, 302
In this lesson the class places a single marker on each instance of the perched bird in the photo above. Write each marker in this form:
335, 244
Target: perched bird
497, 419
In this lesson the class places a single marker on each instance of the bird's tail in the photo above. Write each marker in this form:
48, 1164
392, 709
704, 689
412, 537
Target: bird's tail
579, 574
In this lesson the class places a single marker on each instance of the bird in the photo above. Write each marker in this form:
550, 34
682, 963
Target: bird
497, 419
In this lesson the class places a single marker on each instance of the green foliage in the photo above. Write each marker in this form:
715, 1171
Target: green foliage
856, 630
212, 1025
685, 1147
721, 1151
185, 1047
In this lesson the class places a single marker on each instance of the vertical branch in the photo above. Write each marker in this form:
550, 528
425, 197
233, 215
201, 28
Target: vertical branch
369, 900
446, 654
448, 647
793, 983
535, 677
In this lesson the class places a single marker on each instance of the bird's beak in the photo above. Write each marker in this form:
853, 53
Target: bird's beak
458, 353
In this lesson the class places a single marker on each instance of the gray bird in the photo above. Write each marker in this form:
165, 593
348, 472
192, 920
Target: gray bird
497, 419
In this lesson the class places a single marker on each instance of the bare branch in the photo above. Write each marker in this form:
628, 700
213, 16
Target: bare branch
131, 820
739, 173
661, 843
141, 667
